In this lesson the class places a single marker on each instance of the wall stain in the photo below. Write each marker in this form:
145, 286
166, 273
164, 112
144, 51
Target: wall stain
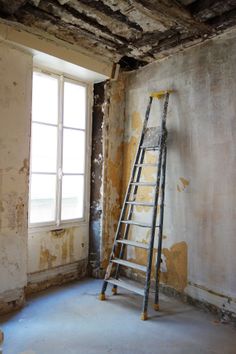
20, 210
46, 258
57, 233
183, 184
176, 259
136, 121
114, 166
25, 168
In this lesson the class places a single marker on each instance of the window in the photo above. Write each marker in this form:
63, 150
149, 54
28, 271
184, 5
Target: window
57, 150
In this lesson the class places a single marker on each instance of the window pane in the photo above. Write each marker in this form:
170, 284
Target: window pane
43, 198
45, 99
73, 151
74, 105
72, 197
44, 148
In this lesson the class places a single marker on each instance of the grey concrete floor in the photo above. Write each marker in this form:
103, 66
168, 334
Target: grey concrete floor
71, 319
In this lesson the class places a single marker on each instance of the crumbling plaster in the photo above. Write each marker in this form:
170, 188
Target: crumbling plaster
32, 259
15, 106
199, 224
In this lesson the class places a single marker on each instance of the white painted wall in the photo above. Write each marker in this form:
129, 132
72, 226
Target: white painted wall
15, 108
201, 149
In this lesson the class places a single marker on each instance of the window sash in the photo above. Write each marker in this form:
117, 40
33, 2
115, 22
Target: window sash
59, 174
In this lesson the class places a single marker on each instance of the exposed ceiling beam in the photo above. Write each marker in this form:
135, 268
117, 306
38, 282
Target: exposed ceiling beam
10, 7
171, 12
158, 14
47, 44
206, 9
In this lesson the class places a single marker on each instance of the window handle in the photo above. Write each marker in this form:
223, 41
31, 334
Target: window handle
60, 173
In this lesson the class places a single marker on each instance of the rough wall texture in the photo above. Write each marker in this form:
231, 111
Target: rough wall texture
97, 160
42, 258
48, 250
15, 107
199, 227
113, 131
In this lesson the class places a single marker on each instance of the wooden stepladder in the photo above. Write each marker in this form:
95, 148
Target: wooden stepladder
151, 139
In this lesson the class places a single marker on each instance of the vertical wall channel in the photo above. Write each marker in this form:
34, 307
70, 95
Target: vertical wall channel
96, 180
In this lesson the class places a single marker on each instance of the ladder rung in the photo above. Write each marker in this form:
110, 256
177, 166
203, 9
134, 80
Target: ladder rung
130, 264
150, 147
146, 164
126, 285
141, 203
133, 243
135, 223
146, 184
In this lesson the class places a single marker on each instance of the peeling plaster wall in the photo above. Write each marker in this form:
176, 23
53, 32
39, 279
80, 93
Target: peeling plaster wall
61, 252
199, 225
15, 108
113, 131
29, 260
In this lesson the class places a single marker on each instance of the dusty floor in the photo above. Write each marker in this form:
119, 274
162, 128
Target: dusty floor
71, 319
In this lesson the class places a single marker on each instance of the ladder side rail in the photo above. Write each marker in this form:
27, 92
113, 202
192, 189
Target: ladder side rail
140, 161
154, 216
129, 216
160, 229
109, 268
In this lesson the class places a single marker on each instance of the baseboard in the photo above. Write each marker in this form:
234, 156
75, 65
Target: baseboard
225, 316
40, 281
11, 300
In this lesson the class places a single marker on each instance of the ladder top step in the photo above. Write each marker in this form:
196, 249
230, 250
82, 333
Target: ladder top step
147, 184
141, 203
160, 94
126, 284
136, 223
134, 243
130, 264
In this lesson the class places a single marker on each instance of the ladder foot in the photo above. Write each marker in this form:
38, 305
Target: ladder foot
114, 291
156, 307
102, 297
144, 316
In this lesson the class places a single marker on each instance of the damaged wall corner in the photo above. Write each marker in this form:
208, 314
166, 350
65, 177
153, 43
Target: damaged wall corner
106, 170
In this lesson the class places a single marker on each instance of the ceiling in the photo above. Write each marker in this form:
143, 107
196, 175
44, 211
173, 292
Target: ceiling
131, 32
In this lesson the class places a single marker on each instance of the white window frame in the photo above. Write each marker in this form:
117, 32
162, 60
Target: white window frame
58, 223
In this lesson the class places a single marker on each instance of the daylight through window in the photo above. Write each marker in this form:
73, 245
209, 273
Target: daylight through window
57, 150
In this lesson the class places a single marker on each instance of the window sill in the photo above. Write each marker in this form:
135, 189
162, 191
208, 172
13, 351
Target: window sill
47, 228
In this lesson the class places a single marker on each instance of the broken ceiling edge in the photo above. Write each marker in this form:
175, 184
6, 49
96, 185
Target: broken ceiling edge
37, 40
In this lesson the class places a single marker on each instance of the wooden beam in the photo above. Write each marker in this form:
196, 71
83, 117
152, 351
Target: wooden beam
206, 9
11, 6
172, 13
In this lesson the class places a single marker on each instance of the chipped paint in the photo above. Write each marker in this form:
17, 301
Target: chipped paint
25, 168
15, 110
176, 259
46, 258
183, 184
113, 164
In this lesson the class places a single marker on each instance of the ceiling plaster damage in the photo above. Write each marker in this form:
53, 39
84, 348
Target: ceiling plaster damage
130, 32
